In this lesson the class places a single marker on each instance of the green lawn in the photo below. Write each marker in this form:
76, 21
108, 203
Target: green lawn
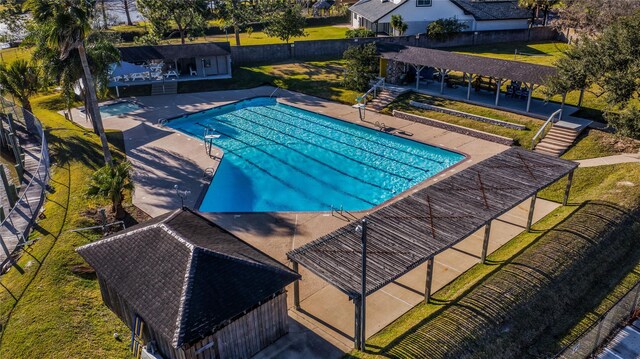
529, 300
60, 313
14, 53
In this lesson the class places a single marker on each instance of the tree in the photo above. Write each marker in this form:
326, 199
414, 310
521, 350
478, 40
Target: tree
111, 181
22, 80
13, 17
359, 32
286, 24
398, 25
610, 61
125, 4
188, 16
361, 68
237, 14
65, 25
441, 29
535, 6
590, 17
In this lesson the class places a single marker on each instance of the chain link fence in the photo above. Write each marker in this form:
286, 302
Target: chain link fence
596, 335
34, 163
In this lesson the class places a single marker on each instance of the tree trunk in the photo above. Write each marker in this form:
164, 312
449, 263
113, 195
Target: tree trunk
93, 103
182, 33
546, 15
236, 30
126, 11
27, 113
104, 14
88, 111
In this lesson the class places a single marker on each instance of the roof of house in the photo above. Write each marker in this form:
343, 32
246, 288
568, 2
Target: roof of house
493, 9
374, 10
478, 65
173, 52
184, 275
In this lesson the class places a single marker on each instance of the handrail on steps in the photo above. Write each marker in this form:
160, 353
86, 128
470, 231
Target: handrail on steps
541, 132
374, 89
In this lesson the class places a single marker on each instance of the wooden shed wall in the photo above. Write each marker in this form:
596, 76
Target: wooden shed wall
242, 338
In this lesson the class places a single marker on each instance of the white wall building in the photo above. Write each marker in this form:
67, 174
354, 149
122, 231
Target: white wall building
478, 15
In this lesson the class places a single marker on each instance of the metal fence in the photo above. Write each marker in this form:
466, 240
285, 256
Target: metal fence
15, 228
596, 335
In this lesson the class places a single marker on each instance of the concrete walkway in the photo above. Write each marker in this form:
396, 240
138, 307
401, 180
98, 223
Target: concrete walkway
609, 160
324, 327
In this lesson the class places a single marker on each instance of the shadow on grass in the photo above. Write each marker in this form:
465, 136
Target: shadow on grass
529, 303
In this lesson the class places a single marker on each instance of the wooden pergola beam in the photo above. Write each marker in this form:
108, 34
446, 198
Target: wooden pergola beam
498, 85
485, 243
429, 280
296, 288
532, 207
565, 200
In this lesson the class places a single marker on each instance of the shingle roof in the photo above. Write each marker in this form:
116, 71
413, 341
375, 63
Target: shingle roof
478, 65
173, 52
374, 10
184, 275
493, 10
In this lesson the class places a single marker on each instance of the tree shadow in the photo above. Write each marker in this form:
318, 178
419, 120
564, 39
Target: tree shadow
527, 303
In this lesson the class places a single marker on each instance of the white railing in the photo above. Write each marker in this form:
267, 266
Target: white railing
545, 127
362, 100
20, 219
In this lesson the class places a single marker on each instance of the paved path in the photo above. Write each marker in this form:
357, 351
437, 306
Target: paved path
610, 160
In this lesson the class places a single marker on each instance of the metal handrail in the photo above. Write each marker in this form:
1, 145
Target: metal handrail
43, 165
363, 99
540, 134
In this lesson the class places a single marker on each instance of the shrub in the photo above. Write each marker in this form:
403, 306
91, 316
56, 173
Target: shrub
443, 28
361, 68
360, 32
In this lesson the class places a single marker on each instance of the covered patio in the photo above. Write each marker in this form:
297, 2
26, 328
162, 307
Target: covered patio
400, 237
431, 70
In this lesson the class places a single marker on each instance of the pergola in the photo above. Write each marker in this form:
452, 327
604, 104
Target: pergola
531, 75
413, 230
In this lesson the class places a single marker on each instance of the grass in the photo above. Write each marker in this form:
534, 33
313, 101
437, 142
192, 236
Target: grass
59, 313
529, 300
256, 38
522, 138
15, 53
594, 143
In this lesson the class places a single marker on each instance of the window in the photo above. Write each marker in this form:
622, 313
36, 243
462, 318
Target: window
206, 63
355, 16
423, 2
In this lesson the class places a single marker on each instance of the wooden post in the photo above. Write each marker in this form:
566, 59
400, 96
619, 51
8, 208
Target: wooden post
443, 73
531, 87
427, 289
363, 292
498, 85
568, 189
469, 86
356, 331
485, 244
532, 207
296, 289
418, 69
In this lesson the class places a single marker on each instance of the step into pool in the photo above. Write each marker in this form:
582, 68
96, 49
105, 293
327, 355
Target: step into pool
279, 158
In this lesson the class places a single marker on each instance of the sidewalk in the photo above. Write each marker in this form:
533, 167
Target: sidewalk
609, 160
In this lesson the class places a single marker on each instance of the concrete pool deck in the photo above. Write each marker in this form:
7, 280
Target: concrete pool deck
323, 328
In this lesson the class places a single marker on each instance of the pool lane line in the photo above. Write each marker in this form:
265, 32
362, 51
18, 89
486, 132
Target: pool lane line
342, 142
306, 156
364, 138
408, 179
295, 168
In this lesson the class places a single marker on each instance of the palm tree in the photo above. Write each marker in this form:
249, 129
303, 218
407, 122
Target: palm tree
22, 80
398, 24
111, 181
66, 24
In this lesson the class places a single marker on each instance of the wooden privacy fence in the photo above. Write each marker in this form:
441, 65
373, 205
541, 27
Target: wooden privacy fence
32, 164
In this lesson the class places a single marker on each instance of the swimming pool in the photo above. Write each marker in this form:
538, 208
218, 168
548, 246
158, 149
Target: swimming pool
118, 108
279, 158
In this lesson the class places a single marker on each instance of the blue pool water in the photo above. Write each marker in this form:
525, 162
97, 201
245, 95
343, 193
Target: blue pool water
281, 158
118, 108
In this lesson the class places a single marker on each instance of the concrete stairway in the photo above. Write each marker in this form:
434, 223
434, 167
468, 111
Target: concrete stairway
384, 98
161, 88
557, 141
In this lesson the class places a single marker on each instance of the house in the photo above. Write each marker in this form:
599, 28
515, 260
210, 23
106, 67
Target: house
189, 289
199, 60
478, 15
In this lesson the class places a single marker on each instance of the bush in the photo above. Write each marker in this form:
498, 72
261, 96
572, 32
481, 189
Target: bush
441, 29
361, 68
361, 32
626, 122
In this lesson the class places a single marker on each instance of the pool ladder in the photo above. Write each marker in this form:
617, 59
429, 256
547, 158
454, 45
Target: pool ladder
209, 171
209, 136
381, 126
162, 122
343, 213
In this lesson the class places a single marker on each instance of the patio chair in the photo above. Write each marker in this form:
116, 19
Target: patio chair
192, 72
